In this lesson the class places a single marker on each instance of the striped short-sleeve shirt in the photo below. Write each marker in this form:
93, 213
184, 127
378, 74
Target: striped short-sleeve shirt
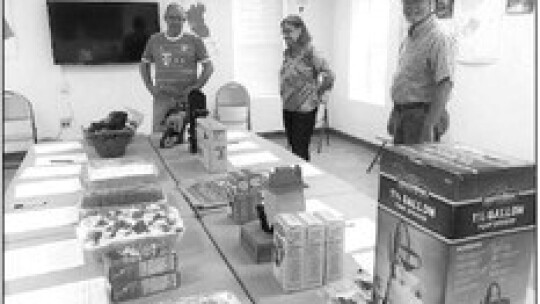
175, 60
427, 56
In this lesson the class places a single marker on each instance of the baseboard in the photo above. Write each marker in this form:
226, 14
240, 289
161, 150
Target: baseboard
331, 131
354, 139
271, 133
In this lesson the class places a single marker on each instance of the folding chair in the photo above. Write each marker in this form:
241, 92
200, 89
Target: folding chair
19, 126
233, 106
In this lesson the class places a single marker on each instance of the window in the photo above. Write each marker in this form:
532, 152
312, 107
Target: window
370, 21
257, 45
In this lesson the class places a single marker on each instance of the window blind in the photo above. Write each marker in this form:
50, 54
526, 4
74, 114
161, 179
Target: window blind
257, 45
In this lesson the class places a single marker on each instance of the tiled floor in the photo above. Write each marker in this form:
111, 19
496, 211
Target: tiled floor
345, 158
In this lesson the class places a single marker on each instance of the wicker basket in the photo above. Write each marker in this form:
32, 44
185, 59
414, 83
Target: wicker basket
110, 143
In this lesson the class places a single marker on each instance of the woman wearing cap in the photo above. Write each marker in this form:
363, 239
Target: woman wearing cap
304, 77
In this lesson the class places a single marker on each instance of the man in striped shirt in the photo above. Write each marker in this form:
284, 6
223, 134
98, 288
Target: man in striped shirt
424, 78
176, 56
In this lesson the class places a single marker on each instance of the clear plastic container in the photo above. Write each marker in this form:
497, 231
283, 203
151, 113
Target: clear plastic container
104, 230
117, 173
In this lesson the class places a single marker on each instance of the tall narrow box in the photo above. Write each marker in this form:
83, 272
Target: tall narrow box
244, 196
314, 250
455, 225
334, 245
212, 144
289, 241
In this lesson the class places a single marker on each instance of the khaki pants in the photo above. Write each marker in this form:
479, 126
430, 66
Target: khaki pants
406, 124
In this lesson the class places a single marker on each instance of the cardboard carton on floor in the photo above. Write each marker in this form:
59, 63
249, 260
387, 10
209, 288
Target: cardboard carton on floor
314, 251
289, 242
455, 225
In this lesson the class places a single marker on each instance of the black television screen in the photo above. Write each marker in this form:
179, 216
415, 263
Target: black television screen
100, 32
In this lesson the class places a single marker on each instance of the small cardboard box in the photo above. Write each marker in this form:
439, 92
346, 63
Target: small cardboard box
257, 243
314, 250
214, 157
243, 208
211, 130
124, 269
289, 242
334, 245
129, 290
245, 196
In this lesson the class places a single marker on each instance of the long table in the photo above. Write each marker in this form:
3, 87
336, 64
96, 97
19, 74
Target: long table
46, 265
210, 255
248, 151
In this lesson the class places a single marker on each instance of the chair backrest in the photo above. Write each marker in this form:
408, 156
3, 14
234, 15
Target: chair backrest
233, 105
16, 106
19, 123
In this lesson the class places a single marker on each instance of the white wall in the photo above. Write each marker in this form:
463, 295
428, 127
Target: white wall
92, 91
492, 106
490, 109
358, 119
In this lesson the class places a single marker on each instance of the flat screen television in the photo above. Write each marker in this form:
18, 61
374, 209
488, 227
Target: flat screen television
93, 33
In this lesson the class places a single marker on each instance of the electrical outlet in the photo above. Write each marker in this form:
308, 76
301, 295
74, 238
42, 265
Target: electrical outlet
65, 122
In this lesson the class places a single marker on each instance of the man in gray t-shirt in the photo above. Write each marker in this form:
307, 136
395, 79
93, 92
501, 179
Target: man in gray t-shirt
176, 56
424, 78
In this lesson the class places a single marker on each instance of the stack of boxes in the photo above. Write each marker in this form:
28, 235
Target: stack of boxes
133, 268
308, 250
454, 224
283, 192
140, 270
212, 144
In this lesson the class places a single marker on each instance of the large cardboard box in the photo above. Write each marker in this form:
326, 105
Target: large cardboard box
289, 242
454, 225
314, 251
334, 245
416, 265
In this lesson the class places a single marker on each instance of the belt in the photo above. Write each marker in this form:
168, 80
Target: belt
411, 105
